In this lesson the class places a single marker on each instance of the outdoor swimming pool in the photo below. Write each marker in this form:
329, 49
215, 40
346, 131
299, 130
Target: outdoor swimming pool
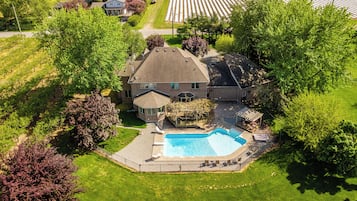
219, 142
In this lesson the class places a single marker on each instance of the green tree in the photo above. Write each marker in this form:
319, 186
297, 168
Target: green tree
309, 118
304, 48
87, 48
339, 149
225, 43
27, 11
135, 40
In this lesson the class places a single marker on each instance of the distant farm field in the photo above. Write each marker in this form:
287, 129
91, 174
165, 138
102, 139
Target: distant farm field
179, 10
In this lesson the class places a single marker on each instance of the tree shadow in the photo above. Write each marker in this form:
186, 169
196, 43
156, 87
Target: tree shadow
302, 169
36, 107
283, 156
312, 176
65, 144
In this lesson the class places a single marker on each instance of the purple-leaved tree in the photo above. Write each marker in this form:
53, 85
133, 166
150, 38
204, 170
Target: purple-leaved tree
37, 172
92, 119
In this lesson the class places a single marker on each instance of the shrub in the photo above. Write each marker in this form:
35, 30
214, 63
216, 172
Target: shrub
137, 6
35, 172
134, 20
92, 119
225, 43
155, 41
196, 45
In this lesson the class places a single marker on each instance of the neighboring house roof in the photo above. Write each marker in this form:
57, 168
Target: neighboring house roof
246, 72
151, 99
97, 5
167, 65
111, 4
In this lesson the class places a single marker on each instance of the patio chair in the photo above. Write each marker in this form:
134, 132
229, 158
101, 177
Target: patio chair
227, 162
206, 162
213, 163
156, 156
217, 162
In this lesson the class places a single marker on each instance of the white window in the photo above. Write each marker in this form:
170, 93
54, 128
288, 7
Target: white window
185, 96
195, 85
174, 85
151, 111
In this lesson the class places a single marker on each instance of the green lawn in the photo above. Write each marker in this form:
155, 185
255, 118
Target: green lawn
173, 41
129, 119
155, 15
347, 95
159, 20
124, 136
264, 180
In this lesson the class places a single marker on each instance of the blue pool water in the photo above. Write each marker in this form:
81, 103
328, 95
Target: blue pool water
219, 142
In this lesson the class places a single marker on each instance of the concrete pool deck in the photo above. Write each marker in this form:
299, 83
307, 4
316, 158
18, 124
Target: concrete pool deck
144, 153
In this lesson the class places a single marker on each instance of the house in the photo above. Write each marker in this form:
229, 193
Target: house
168, 74
165, 74
112, 7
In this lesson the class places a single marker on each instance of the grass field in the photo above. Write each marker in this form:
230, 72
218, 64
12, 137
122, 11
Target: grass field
124, 137
265, 179
155, 16
29, 100
347, 95
173, 41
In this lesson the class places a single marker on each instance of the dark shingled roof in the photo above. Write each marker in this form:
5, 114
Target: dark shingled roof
220, 75
246, 72
166, 65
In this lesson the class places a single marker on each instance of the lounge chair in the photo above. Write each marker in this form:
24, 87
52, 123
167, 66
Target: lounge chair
156, 156
158, 130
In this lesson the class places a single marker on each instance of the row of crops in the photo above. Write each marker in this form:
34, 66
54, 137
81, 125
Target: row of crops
29, 92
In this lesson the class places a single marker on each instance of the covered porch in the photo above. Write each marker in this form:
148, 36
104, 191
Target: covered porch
151, 106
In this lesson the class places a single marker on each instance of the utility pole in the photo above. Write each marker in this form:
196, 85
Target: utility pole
17, 20
172, 20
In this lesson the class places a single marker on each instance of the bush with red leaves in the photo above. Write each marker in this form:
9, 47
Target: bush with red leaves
92, 120
137, 6
75, 4
36, 172
196, 45
154, 41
